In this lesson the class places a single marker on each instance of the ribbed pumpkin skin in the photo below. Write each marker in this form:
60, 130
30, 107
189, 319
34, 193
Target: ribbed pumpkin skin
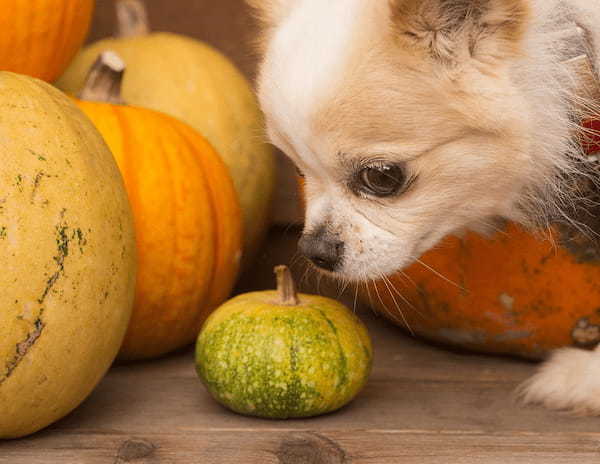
40, 37
67, 250
187, 221
198, 85
262, 359
512, 294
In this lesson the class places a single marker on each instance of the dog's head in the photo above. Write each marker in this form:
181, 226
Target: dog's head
404, 118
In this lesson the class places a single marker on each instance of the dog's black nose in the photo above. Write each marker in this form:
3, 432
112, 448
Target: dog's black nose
322, 248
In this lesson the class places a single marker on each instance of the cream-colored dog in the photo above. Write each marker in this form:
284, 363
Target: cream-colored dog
415, 119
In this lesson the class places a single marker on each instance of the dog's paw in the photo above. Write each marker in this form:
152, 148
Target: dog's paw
568, 381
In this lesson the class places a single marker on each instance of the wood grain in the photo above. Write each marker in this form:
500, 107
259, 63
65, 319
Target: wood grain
219, 446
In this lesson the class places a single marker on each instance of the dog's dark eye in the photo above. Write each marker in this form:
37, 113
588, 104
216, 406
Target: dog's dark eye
382, 181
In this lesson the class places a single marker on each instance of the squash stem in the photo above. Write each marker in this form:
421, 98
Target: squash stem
286, 287
132, 18
103, 83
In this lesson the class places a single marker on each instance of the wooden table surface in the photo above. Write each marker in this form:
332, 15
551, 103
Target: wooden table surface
422, 405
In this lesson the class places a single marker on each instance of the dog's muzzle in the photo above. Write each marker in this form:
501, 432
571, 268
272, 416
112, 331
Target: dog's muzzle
322, 248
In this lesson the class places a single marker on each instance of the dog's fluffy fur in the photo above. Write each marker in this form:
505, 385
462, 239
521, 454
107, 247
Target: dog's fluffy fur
472, 96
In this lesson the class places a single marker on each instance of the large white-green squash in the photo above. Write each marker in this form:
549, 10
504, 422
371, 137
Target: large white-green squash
67, 250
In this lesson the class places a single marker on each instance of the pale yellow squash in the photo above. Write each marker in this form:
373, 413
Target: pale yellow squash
67, 250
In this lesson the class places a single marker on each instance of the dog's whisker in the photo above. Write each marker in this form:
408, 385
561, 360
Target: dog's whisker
404, 298
305, 276
388, 284
319, 278
440, 275
346, 283
371, 305
384, 307
296, 259
355, 297
408, 278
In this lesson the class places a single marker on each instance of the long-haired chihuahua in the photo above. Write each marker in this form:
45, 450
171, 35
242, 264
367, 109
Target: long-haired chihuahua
415, 119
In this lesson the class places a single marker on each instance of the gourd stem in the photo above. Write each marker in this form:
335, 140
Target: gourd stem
132, 18
286, 287
103, 83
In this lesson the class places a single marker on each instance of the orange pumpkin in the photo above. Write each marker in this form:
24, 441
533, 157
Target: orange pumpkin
40, 37
514, 293
187, 218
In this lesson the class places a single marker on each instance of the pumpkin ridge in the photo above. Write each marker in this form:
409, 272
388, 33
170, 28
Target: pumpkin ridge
28, 47
132, 193
176, 323
195, 157
215, 232
188, 154
226, 237
124, 163
127, 162
60, 33
173, 194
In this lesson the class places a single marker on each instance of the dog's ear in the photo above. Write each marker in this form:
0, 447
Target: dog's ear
452, 30
270, 12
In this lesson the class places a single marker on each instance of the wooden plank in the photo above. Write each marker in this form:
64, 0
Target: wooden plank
306, 447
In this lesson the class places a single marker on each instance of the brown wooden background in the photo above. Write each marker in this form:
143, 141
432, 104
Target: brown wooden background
226, 24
